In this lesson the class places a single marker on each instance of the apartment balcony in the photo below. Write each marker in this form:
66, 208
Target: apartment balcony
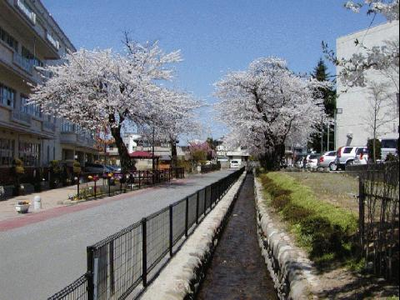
79, 140
23, 63
26, 22
53, 41
26, 11
21, 118
48, 126
90, 142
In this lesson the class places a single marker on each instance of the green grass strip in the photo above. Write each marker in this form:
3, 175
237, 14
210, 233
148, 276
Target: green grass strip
303, 196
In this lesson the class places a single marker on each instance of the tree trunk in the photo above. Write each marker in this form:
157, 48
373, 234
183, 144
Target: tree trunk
127, 164
271, 160
174, 154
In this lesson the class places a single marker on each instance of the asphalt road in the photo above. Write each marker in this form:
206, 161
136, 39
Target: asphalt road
40, 259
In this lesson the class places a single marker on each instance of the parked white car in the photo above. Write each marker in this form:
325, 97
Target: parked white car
328, 160
345, 156
361, 157
312, 161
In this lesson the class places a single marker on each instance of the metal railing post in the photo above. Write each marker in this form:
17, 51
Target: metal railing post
78, 187
197, 207
111, 263
171, 233
187, 217
361, 211
90, 272
144, 252
205, 200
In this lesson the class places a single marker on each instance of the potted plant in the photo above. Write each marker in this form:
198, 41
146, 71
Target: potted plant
22, 207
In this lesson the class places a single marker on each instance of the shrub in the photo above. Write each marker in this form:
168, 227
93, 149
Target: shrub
76, 167
295, 214
280, 202
378, 147
18, 166
326, 238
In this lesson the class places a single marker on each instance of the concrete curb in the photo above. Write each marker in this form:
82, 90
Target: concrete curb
288, 265
180, 279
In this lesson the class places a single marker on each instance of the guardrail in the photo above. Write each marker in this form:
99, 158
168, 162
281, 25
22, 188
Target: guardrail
117, 265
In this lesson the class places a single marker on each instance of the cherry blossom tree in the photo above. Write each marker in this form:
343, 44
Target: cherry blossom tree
265, 104
389, 8
383, 59
177, 122
100, 88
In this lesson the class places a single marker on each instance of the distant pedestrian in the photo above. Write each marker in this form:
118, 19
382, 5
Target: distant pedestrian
304, 162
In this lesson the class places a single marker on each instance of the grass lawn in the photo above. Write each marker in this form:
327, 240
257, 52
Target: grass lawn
337, 189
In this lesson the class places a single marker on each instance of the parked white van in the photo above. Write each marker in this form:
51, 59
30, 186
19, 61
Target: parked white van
388, 146
235, 164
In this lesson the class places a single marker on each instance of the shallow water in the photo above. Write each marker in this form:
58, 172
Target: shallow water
238, 270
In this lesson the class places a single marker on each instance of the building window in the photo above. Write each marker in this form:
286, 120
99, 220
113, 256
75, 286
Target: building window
6, 152
29, 56
30, 108
7, 96
29, 153
8, 39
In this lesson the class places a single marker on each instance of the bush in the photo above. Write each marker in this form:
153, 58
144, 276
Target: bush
280, 202
326, 238
18, 166
76, 167
378, 146
392, 158
295, 214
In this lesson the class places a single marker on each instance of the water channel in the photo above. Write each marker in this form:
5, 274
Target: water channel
237, 270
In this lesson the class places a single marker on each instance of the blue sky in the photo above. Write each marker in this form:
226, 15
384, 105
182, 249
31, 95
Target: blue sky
215, 36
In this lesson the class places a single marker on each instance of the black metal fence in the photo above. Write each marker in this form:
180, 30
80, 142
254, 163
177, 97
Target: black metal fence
119, 264
379, 218
210, 168
95, 185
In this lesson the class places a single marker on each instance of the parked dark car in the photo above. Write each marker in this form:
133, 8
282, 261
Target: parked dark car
97, 168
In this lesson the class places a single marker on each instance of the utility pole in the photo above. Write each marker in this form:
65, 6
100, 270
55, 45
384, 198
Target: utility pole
327, 138
152, 151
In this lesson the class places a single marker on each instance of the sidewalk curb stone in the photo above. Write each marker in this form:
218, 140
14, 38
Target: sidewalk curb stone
289, 267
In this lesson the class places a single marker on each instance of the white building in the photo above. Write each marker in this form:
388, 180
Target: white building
354, 105
225, 155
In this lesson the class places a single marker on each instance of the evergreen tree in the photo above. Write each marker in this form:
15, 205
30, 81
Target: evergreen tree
329, 96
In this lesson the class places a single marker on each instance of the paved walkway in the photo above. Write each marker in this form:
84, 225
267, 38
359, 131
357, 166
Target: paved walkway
50, 199
238, 270
43, 252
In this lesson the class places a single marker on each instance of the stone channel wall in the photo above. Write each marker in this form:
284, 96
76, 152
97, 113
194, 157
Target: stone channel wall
180, 279
289, 267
